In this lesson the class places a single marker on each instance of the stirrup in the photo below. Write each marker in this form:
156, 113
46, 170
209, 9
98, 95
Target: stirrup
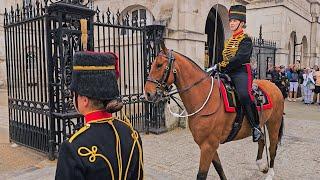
260, 134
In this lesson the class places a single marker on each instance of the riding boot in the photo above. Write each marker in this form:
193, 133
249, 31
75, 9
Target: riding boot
253, 118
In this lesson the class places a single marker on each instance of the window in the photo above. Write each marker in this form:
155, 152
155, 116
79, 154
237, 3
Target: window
139, 17
135, 16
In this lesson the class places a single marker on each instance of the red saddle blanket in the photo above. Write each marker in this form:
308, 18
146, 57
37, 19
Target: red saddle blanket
230, 99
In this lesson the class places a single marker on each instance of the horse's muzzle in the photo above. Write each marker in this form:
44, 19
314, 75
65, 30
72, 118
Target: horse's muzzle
154, 97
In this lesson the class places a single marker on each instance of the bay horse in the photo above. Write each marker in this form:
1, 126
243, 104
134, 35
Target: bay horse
212, 124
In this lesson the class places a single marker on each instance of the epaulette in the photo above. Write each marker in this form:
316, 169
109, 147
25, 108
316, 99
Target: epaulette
75, 135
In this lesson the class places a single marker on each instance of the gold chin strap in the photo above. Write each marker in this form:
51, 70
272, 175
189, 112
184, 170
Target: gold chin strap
84, 33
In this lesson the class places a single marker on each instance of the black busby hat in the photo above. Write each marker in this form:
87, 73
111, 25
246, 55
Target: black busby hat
95, 75
238, 12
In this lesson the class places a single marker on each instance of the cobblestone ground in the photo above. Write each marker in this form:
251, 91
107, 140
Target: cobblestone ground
175, 156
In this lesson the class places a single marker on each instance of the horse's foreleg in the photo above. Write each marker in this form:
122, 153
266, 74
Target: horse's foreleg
217, 165
262, 165
207, 153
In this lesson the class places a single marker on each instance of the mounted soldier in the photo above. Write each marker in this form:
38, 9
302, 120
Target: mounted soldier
236, 63
105, 148
204, 96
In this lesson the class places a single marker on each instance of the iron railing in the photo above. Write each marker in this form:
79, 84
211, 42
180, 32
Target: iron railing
263, 56
40, 42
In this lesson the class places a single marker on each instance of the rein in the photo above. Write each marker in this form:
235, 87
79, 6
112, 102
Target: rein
187, 88
203, 105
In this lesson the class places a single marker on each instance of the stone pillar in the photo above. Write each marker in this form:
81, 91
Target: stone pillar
314, 41
183, 32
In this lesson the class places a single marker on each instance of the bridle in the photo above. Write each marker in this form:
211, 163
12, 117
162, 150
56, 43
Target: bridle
162, 85
164, 90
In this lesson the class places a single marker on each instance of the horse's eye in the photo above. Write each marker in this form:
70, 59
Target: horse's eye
159, 65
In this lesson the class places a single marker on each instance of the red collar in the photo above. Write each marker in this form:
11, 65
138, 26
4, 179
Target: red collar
97, 116
237, 34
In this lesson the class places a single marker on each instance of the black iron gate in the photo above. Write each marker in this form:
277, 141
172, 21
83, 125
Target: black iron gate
263, 56
40, 42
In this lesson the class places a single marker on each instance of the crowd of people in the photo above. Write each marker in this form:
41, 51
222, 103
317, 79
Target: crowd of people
295, 82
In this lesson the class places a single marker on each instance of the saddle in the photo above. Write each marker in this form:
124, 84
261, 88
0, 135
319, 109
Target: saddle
232, 103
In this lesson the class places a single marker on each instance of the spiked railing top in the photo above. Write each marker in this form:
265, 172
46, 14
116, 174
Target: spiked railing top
35, 9
118, 18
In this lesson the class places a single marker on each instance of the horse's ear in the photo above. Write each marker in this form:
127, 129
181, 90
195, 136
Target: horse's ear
163, 47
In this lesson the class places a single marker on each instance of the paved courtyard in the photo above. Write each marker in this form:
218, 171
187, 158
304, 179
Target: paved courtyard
174, 155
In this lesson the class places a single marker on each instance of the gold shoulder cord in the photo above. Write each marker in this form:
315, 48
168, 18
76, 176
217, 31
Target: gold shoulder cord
83, 129
135, 137
93, 152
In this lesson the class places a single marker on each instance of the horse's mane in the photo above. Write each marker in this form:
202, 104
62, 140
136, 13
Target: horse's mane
192, 62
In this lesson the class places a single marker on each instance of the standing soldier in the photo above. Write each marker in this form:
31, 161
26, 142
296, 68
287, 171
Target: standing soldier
105, 148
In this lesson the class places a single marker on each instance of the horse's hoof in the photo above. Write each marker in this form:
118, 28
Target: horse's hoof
270, 174
265, 171
263, 167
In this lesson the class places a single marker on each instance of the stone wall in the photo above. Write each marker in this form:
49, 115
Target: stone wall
281, 18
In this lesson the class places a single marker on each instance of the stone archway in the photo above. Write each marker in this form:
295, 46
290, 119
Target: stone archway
216, 37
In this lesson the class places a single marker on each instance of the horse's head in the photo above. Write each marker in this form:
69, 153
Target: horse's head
161, 75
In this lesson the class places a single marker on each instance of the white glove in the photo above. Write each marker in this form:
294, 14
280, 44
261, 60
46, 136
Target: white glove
213, 68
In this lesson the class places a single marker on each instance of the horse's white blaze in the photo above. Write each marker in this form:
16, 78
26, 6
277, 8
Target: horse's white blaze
270, 174
262, 165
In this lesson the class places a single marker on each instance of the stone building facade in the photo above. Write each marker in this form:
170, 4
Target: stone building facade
190, 26
293, 24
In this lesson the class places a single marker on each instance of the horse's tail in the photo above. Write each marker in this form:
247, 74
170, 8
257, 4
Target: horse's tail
281, 130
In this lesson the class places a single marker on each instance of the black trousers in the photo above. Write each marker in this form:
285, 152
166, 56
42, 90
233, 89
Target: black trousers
242, 79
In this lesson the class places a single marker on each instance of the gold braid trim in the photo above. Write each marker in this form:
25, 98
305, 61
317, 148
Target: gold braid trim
230, 49
92, 157
83, 129
92, 68
237, 12
118, 148
135, 137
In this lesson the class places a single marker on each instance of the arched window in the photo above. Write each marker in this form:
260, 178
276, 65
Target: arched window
138, 16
